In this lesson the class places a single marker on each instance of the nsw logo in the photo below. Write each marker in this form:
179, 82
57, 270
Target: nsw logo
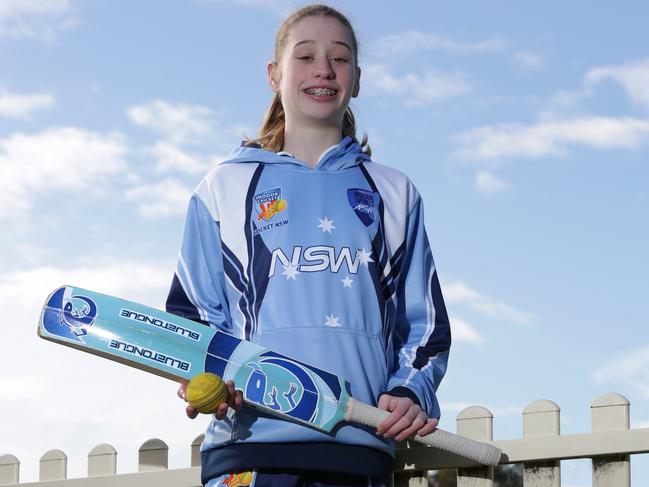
364, 203
69, 316
268, 204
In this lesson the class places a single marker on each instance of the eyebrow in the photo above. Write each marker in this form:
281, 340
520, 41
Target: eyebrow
333, 42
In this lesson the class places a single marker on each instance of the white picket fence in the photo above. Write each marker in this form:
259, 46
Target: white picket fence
541, 449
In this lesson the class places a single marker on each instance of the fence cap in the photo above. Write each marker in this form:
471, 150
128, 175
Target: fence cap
474, 412
542, 406
198, 440
54, 455
154, 444
9, 459
610, 399
102, 449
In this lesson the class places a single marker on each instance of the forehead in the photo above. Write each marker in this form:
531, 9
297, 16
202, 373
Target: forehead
321, 29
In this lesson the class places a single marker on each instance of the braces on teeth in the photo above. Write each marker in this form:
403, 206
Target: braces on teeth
320, 91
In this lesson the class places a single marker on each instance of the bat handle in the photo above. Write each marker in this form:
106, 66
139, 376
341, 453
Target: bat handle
359, 412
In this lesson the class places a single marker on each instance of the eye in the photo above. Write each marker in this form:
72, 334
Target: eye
340, 60
305, 58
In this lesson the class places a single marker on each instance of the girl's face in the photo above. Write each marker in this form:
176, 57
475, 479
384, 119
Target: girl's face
317, 73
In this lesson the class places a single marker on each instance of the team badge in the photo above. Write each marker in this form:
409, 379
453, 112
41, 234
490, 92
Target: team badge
364, 204
268, 204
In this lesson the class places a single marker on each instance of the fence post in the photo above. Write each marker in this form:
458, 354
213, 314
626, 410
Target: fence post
410, 478
475, 422
9, 469
153, 456
53, 466
611, 412
196, 450
542, 418
102, 460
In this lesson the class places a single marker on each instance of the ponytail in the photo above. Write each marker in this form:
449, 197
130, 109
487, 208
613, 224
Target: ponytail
271, 133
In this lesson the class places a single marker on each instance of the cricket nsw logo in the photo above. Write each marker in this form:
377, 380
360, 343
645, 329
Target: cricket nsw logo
268, 204
69, 316
364, 204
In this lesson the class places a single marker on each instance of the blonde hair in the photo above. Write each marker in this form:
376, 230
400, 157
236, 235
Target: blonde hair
271, 133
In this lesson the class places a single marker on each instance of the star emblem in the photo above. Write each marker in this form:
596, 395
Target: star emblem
326, 225
332, 320
290, 271
364, 257
347, 282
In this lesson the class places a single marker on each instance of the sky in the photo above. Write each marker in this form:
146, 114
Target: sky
524, 125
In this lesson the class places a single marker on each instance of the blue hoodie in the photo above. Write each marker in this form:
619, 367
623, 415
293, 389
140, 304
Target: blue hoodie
330, 266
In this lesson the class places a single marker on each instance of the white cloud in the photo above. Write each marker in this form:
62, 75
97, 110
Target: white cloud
13, 105
527, 60
414, 89
59, 158
459, 293
415, 40
38, 19
76, 400
280, 7
180, 123
172, 158
464, 332
165, 198
633, 76
630, 369
551, 137
489, 184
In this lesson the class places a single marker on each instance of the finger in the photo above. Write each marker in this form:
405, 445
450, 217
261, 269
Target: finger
238, 400
395, 416
222, 410
182, 391
384, 402
190, 412
231, 393
417, 423
429, 427
403, 423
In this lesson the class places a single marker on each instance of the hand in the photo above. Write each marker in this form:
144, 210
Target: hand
234, 401
406, 418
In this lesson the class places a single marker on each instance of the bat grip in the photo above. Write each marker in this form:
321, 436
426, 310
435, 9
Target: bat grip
359, 412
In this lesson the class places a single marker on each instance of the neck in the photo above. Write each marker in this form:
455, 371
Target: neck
308, 143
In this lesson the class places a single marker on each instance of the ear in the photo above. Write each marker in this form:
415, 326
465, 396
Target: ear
357, 83
273, 76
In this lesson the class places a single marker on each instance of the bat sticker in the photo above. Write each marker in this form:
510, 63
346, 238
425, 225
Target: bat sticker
69, 316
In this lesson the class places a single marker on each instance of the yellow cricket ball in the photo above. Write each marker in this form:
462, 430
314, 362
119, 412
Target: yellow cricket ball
281, 204
205, 392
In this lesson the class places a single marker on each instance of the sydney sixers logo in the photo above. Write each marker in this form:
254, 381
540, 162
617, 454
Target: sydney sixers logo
281, 384
69, 316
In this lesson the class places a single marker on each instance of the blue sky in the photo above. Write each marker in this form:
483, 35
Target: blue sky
525, 128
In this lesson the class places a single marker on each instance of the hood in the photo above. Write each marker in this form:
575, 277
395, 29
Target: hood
343, 155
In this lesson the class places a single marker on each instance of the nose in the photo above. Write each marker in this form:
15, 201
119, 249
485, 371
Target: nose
323, 69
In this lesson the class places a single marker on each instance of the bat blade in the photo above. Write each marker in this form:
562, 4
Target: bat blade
178, 349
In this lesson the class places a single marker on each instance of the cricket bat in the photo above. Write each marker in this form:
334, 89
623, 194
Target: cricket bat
178, 349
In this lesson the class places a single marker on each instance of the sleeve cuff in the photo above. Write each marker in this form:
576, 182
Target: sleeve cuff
401, 391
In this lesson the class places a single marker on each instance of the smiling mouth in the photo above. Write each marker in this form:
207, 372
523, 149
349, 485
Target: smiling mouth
320, 92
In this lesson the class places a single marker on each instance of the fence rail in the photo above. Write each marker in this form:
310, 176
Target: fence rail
541, 449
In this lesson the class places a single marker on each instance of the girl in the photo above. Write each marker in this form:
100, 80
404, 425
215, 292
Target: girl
301, 243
